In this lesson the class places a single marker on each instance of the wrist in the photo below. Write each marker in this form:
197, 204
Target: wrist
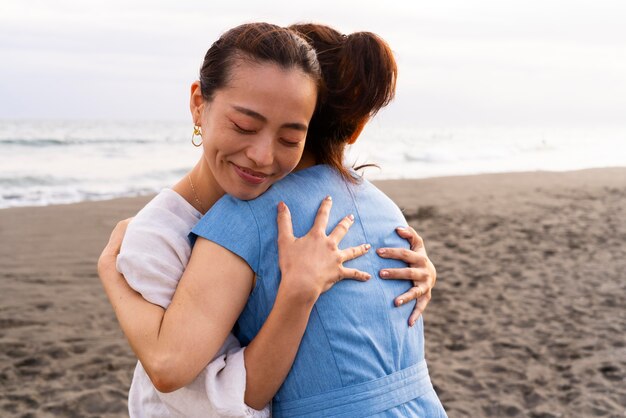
296, 295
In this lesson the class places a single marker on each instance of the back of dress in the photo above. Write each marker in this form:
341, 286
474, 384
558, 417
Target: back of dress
358, 356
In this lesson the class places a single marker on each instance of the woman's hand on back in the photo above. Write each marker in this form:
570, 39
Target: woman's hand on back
312, 264
421, 271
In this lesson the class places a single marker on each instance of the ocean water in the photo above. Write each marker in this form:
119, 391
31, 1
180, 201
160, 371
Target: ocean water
52, 162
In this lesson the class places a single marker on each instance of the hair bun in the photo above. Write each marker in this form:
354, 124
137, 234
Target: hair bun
359, 74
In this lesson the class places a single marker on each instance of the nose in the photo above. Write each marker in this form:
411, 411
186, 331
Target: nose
261, 151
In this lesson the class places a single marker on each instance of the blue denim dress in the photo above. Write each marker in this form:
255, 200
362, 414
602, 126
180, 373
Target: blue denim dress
358, 357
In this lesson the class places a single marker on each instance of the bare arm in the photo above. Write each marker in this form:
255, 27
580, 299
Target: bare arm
309, 266
270, 355
174, 349
175, 344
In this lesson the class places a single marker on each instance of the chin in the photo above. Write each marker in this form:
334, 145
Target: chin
249, 194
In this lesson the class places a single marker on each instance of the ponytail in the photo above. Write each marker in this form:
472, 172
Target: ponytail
359, 78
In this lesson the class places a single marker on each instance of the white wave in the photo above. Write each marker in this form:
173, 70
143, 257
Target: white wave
114, 159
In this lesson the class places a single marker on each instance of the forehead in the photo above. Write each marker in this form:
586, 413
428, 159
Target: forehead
269, 89
244, 69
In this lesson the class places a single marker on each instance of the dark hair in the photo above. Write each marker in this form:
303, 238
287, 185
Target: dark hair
262, 42
359, 75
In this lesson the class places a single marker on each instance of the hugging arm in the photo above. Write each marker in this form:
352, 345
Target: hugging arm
174, 345
173, 349
309, 266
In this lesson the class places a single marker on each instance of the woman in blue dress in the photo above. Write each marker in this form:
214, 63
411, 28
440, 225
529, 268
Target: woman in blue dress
357, 356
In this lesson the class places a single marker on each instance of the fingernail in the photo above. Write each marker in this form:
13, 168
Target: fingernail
401, 228
411, 324
380, 251
384, 273
400, 302
281, 206
368, 276
351, 217
367, 247
329, 198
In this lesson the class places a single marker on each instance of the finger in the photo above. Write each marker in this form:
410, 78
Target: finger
117, 236
403, 254
123, 225
412, 294
432, 272
321, 219
417, 275
420, 307
411, 235
283, 219
354, 274
354, 252
407, 273
120, 228
342, 228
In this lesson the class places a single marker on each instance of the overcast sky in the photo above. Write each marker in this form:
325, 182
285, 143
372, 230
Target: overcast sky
481, 62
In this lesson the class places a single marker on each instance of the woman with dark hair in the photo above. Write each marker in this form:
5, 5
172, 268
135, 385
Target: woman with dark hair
258, 88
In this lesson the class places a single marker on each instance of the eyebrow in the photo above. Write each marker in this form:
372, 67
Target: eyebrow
249, 112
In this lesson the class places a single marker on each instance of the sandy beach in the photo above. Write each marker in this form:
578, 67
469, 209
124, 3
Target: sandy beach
528, 317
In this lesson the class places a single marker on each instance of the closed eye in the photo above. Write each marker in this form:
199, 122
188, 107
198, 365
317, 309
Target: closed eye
290, 143
242, 130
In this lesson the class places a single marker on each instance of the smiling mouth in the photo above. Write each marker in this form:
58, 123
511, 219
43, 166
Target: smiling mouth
250, 176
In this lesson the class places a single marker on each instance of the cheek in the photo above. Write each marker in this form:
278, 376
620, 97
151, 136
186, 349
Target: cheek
290, 160
208, 153
216, 143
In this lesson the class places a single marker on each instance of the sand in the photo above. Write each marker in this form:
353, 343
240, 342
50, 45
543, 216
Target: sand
528, 317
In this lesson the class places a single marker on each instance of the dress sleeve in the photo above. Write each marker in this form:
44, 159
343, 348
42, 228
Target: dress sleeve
231, 224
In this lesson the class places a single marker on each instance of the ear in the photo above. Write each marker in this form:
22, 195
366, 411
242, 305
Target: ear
196, 103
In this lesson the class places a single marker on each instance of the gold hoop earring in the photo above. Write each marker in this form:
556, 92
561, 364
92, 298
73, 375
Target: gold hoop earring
197, 131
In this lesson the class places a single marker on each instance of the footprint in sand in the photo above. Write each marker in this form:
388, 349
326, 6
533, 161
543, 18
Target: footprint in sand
31, 362
611, 373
